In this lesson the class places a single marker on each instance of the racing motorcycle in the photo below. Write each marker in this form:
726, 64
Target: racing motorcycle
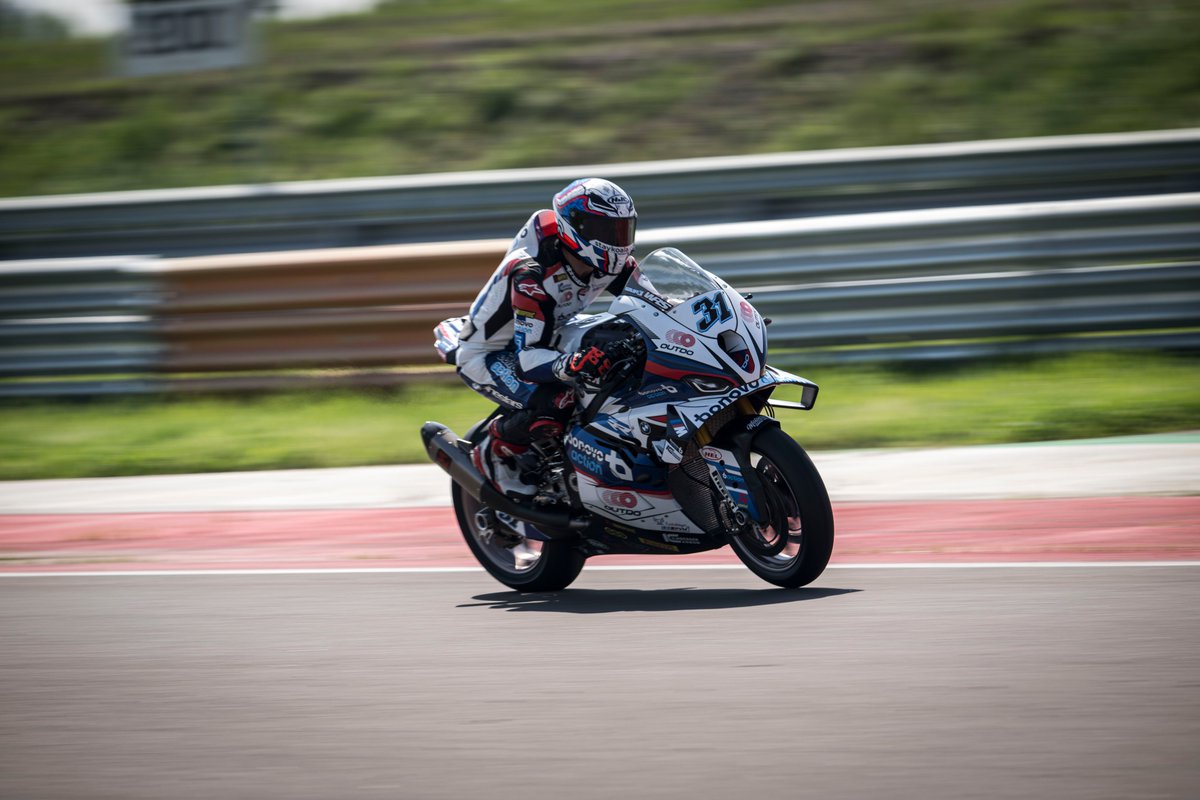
676, 450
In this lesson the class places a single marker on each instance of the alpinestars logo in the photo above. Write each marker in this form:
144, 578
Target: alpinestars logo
531, 288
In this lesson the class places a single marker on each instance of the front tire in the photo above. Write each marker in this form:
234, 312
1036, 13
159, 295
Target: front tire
793, 547
526, 565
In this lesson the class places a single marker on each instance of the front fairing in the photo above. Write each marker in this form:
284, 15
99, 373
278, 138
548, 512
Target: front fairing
700, 332
706, 348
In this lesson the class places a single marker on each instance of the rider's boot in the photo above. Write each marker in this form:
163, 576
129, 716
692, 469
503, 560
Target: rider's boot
511, 467
546, 433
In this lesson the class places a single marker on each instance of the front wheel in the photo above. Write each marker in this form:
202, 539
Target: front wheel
792, 546
527, 565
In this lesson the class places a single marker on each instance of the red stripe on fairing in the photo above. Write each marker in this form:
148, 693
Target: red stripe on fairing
655, 368
663, 371
1085, 529
623, 487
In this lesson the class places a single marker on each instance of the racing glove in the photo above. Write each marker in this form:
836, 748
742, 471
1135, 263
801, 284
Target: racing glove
588, 365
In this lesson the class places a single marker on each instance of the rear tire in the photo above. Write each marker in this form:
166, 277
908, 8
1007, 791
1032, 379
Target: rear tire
525, 565
793, 548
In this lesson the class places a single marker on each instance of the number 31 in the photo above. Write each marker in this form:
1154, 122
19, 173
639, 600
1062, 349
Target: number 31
711, 310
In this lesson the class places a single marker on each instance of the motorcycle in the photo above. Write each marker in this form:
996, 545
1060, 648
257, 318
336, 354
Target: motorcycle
675, 451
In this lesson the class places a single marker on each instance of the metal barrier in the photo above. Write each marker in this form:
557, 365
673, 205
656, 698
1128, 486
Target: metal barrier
943, 283
703, 191
77, 317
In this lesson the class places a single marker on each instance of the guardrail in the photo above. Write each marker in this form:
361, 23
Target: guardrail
702, 191
941, 283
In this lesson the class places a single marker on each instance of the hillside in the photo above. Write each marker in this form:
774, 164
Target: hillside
429, 87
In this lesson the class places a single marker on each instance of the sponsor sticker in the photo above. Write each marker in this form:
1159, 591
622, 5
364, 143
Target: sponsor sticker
619, 499
504, 373
531, 288
564, 399
734, 394
669, 451
681, 338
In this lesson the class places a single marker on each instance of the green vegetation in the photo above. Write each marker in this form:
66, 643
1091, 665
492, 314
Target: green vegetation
429, 86
1064, 398
433, 86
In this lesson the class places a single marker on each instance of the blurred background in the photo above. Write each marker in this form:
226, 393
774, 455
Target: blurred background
228, 227
416, 87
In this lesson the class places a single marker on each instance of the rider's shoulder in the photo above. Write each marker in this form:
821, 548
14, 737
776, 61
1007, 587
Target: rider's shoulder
537, 239
540, 226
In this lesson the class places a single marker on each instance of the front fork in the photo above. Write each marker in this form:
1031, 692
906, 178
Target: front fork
741, 488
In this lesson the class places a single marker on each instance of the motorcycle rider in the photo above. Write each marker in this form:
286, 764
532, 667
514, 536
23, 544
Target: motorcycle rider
558, 263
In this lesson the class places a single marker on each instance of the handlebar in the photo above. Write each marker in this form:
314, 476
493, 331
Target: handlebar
626, 354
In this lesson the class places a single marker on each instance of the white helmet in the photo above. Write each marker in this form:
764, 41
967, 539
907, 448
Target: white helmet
596, 222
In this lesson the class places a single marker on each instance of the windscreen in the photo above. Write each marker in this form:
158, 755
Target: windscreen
674, 276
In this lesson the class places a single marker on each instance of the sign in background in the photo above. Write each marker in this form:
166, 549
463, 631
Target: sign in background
170, 36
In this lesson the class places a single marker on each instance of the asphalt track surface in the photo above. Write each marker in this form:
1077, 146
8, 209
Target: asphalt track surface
1019, 682
154, 644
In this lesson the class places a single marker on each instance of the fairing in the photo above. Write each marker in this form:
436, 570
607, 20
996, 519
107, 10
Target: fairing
705, 351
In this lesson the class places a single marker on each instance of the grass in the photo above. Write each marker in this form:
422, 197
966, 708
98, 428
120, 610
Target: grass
1080, 396
430, 86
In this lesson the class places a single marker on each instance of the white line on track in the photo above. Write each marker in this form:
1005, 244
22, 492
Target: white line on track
158, 573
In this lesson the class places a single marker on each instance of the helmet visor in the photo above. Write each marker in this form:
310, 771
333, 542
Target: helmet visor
615, 231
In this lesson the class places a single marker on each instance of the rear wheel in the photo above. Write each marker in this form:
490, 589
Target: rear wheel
792, 546
527, 565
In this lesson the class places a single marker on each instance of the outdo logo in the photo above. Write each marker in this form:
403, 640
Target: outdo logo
680, 338
619, 499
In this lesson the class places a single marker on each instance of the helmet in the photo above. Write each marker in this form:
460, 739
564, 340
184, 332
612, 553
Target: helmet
596, 222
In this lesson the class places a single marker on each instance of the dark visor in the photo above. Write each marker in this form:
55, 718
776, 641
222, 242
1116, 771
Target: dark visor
614, 231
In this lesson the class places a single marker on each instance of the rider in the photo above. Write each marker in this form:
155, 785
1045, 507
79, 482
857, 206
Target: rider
557, 265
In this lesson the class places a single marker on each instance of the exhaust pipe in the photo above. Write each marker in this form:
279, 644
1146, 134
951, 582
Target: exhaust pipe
443, 447
441, 444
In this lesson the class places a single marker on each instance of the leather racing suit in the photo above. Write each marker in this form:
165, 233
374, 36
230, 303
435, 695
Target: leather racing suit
506, 347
